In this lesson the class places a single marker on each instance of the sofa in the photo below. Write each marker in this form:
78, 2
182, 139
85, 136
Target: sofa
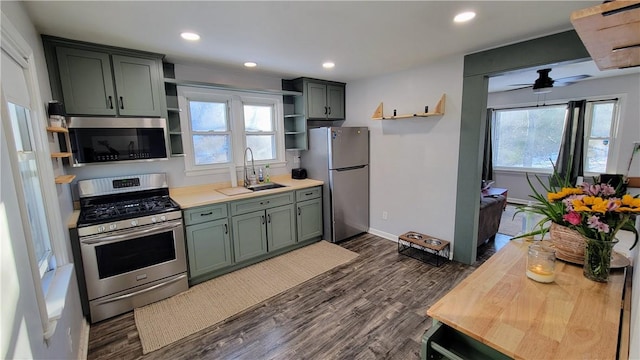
491, 208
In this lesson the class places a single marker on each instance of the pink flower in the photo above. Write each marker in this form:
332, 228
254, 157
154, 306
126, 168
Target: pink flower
572, 218
595, 223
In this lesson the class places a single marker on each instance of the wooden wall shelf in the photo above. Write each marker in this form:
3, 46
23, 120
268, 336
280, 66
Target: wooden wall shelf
64, 179
58, 155
438, 111
57, 129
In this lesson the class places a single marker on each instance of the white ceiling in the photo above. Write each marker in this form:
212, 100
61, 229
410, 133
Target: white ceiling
293, 38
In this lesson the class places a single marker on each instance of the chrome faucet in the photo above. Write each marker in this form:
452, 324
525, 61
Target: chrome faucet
248, 182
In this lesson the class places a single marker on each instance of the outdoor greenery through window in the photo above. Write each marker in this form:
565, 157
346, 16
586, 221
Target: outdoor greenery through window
527, 138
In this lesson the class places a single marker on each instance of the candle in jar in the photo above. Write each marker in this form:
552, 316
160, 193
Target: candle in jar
538, 273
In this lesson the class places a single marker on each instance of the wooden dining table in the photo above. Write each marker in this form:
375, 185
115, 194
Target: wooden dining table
500, 307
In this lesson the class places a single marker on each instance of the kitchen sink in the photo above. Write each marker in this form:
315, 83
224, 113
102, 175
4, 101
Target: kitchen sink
266, 186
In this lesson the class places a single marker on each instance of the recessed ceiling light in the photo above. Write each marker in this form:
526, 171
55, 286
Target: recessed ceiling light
190, 36
328, 65
250, 64
464, 16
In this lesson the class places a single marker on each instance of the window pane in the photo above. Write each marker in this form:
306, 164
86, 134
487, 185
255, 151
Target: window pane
32, 190
263, 146
601, 122
597, 152
208, 116
528, 138
211, 149
258, 118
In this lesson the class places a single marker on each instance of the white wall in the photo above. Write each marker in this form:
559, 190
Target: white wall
626, 88
22, 333
413, 162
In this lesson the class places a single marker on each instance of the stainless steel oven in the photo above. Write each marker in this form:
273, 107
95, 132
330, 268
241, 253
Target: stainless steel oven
132, 244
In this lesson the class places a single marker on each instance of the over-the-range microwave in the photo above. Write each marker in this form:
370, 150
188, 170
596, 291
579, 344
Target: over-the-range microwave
97, 140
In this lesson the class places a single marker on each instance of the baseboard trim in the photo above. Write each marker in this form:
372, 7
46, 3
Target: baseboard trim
384, 235
83, 343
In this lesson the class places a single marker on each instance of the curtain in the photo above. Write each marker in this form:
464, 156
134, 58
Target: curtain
487, 164
570, 161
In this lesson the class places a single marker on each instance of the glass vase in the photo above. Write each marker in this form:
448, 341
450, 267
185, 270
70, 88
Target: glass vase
597, 259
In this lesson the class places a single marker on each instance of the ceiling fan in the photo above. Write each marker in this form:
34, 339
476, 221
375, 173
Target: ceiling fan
544, 83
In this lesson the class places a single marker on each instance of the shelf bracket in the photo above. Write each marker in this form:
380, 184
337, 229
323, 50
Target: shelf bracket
378, 113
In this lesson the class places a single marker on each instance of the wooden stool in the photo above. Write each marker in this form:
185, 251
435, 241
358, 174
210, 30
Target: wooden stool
423, 247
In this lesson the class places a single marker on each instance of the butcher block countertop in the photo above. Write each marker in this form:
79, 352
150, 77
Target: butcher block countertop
198, 195
572, 318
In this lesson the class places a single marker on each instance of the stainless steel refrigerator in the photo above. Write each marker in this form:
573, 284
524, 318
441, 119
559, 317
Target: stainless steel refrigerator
339, 156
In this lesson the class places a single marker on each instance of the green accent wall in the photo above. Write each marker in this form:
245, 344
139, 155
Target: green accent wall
565, 47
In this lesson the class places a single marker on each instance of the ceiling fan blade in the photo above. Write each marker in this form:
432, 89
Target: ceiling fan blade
572, 79
526, 85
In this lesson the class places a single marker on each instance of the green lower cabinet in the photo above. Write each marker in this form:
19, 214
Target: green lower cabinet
281, 227
249, 235
309, 219
208, 247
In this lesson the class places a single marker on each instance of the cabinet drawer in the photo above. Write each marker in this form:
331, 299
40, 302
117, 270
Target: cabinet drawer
307, 194
205, 213
261, 203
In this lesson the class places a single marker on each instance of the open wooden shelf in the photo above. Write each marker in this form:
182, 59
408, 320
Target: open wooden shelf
438, 111
57, 155
57, 129
64, 179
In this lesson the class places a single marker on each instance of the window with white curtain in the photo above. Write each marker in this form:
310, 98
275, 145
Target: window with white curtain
218, 125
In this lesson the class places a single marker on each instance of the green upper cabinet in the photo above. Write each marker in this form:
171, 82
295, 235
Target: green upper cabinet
137, 86
322, 99
86, 80
93, 79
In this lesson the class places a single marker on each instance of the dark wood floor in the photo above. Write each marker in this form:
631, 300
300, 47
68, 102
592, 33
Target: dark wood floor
371, 308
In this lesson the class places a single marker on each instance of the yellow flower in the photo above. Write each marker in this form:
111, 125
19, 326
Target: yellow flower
563, 193
629, 204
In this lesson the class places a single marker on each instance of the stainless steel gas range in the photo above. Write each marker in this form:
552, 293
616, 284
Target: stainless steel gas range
131, 242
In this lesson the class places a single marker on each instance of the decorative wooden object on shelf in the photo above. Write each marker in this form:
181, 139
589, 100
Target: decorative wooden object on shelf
439, 110
64, 179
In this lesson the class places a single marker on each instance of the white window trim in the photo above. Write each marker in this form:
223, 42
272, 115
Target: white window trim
614, 143
236, 100
51, 303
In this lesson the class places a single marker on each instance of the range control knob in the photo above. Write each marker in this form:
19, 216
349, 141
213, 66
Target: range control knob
163, 218
134, 222
100, 228
153, 219
112, 226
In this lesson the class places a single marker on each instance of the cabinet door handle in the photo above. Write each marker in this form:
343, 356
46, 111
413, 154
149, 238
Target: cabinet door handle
329, 110
110, 104
226, 229
262, 219
207, 214
299, 211
121, 103
308, 194
269, 218
325, 110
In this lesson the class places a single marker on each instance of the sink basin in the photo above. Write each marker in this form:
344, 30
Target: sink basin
266, 186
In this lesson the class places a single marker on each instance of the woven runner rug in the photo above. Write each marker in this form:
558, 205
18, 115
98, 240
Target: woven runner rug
166, 321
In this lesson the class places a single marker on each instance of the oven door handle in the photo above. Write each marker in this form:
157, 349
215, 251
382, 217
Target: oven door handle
99, 239
125, 296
